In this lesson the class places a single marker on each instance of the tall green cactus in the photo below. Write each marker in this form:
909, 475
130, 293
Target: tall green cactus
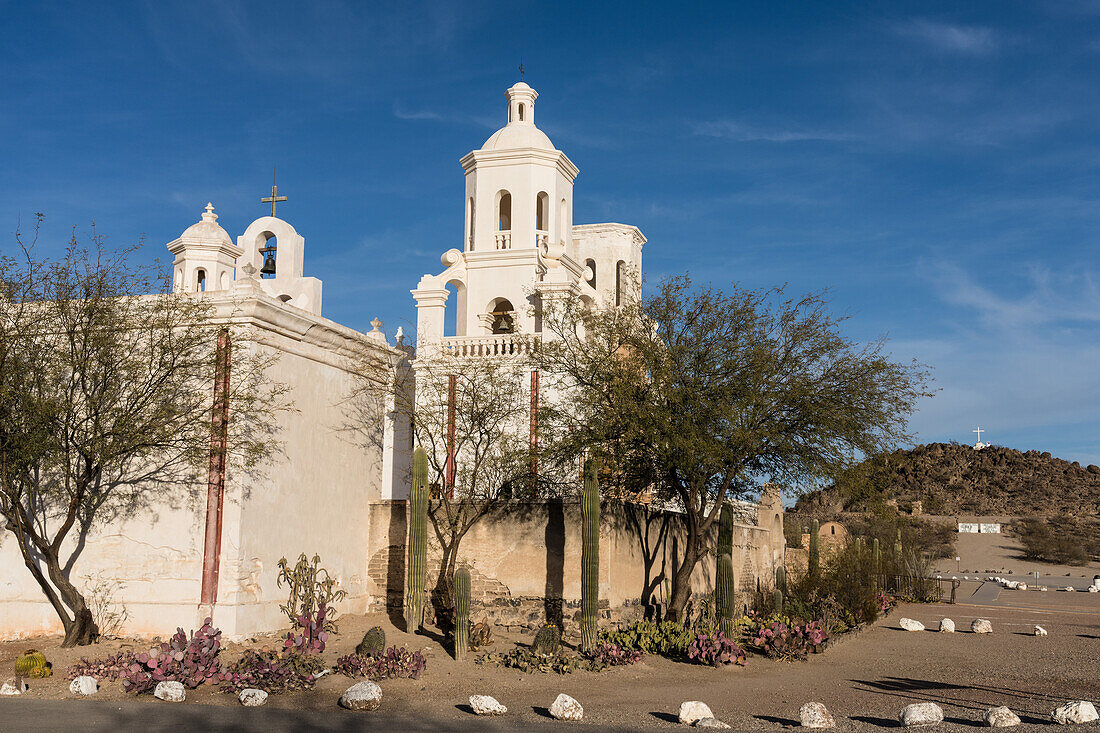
814, 555
418, 542
724, 591
781, 578
777, 596
590, 556
897, 547
462, 613
725, 530
876, 562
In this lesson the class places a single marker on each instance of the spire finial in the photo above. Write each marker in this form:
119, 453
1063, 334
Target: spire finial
209, 215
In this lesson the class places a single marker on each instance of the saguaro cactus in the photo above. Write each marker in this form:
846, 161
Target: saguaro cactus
590, 555
462, 613
814, 554
418, 542
781, 578
725, 530
897, 547
724, 594
777, 596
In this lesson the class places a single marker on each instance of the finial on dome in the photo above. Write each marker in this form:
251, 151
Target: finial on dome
209, 215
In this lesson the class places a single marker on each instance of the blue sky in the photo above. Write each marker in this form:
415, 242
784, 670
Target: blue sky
935, 165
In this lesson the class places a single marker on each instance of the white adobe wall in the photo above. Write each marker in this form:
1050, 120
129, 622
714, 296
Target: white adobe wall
315, 498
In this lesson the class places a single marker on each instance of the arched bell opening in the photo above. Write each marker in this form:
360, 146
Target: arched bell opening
502, 316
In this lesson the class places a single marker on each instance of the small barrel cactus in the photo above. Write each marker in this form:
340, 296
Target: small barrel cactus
547, 640
462, 613
32, 663
373, 643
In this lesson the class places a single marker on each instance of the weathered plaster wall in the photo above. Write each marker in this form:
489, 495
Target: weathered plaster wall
525, 553
313, 497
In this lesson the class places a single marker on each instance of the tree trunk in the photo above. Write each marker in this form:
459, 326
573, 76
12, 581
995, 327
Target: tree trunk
681, 584
443, 593
81, 630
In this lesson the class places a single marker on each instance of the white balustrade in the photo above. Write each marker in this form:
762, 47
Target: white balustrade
504, 239
501, 345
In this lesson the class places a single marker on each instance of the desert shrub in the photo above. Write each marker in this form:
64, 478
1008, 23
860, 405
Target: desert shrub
310, 586
605, 654
667, 639
272, 671
394, 663
527, 660
1061, 540
715, 650
481, 636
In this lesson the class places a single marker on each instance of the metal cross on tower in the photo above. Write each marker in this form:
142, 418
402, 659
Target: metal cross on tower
274, 198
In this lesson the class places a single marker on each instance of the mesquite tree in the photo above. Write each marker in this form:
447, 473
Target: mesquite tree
106, 383
698, 394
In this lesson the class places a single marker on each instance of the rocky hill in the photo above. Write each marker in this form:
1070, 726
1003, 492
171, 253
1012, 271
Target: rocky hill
949, 479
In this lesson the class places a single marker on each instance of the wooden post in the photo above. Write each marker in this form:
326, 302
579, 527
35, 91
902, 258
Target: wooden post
534, 429
215, 487
449, 471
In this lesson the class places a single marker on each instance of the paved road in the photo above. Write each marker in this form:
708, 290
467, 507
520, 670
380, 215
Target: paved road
47, 716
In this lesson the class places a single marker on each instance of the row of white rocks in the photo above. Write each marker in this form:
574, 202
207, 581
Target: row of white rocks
367, 695
947, 626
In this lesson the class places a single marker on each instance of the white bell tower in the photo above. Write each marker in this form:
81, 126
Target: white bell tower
205, 256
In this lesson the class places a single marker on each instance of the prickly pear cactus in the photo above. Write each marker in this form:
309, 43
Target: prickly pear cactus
373, 643
462, 613
32, 663
590, 556
547, 640
418, 542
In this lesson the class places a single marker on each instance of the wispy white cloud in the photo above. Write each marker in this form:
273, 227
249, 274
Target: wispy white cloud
741, 132
423, 114
951, 38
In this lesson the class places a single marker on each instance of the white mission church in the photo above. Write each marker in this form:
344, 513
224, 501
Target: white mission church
332, 494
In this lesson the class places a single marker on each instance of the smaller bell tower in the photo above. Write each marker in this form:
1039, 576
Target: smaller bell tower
205, 256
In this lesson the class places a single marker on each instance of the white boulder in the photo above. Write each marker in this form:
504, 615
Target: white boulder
710, 723
83, 686
363, 695
13, 686
170, 691
1000, 717
981, 626
1040, 631
1070, 589
921, 713
252, 698
566, 708
815, 715
694, 710
947, 626
485, 705
1078, 711
910, 625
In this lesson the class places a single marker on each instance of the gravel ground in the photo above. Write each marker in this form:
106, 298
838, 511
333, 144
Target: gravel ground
864, 680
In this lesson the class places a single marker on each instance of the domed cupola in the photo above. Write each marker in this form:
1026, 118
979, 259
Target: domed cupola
520, 132
204, 256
